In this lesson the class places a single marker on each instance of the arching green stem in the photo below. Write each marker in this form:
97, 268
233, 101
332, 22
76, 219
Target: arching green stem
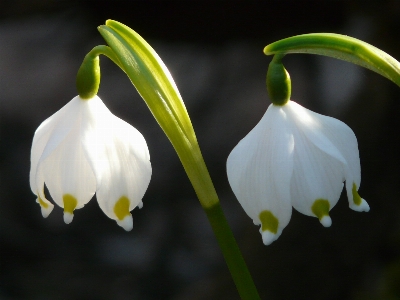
279, 85
106, 51
88, 77
341, 47
154, 83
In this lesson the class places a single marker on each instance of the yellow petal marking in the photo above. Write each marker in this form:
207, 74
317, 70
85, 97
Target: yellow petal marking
70, 203
320, 208
42, 203
121, 208
356, 197
268, 221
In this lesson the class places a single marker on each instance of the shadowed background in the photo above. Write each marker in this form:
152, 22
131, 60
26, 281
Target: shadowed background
214, 52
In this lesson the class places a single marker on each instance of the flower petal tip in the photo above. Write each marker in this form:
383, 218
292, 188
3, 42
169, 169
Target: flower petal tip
326, 221
46, 210
363, 206
68, 217
126, 223
140, 204
269, 237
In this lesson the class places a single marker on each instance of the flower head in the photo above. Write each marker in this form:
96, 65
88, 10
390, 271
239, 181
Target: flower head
294, 157
84, 149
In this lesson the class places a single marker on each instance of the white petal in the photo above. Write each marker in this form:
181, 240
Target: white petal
68, 217
259, 170
46, 205
47, 137
316, 176
57, 171
326, 221
268, 237
126, 223
54, 129
68, 174
312, 125
344, 140
355, 201
364, 206
119, 157
335, 138
40, 139
61, 124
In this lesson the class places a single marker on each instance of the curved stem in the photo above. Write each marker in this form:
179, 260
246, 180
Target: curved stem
88, 76
341, 47
106, 51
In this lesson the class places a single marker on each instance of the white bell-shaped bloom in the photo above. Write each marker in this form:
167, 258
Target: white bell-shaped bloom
294, 157
84, 149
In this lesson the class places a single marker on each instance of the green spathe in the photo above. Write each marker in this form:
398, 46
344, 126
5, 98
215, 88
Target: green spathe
278, 82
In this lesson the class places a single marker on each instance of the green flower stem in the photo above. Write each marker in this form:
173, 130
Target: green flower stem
88, 77
154, 83
106, 51
279, 85
341, 47
232, 254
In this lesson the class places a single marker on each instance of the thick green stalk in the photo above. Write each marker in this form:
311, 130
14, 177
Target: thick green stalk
154, 83
231, 252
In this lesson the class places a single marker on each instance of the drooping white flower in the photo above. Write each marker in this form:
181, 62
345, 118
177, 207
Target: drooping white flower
84, 149
294, 157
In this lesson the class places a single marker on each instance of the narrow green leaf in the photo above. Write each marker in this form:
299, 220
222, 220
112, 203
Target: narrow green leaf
155, 84
341, 47
151, 78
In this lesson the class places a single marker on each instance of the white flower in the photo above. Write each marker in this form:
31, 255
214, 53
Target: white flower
84, 149
294, 157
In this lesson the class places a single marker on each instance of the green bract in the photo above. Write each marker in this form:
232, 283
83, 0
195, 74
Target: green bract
341, 47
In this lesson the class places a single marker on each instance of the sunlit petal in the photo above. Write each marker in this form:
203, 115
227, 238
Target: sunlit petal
68, 174
119, 157
294, 157
337, 139
259, 169
316, 176
83, 149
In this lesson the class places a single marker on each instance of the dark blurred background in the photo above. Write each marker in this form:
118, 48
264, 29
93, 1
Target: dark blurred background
214, 52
